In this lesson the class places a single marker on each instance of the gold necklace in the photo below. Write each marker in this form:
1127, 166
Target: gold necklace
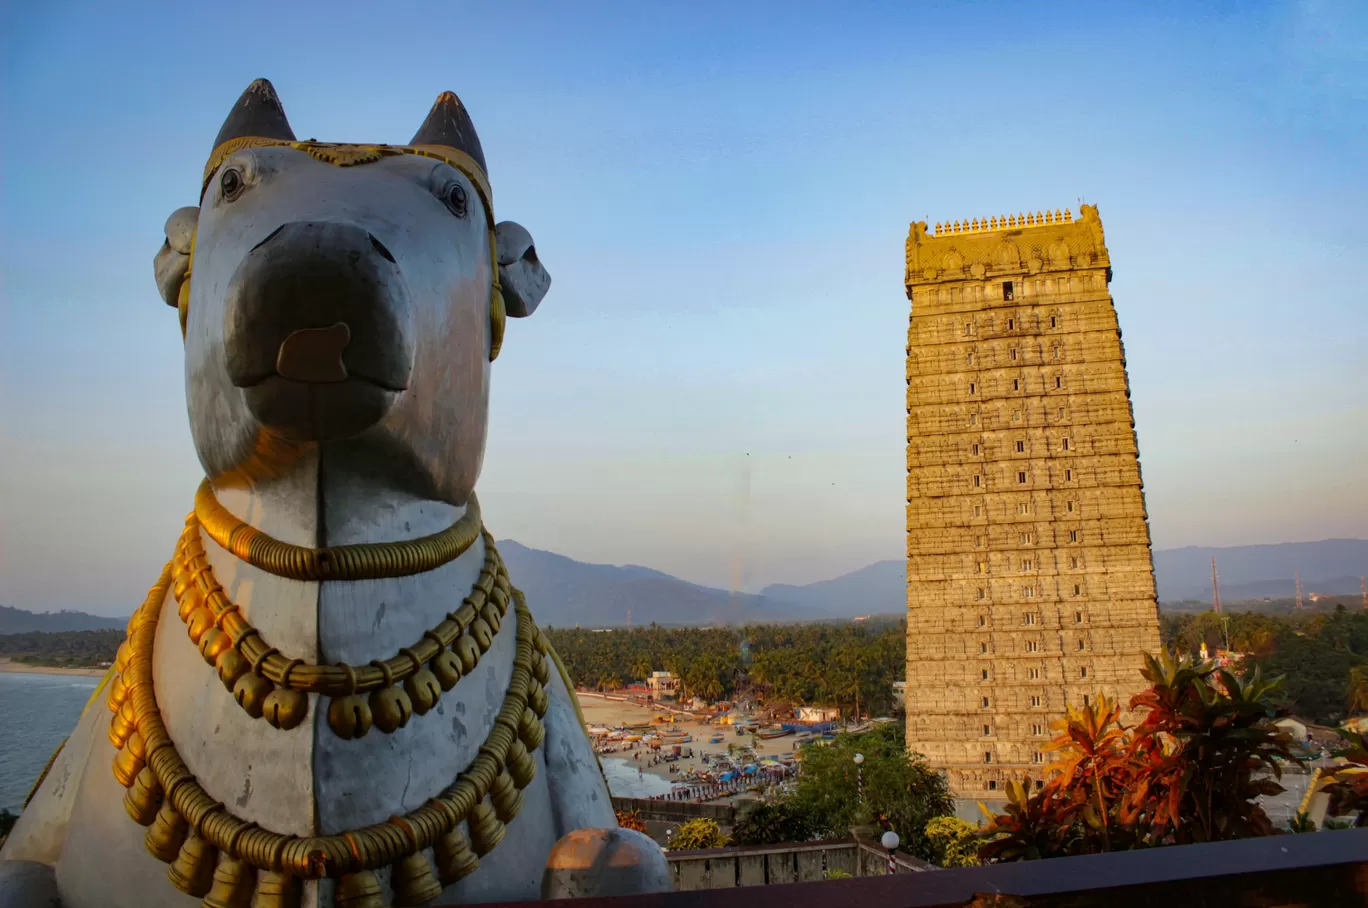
214, 853
367, 561
269, 685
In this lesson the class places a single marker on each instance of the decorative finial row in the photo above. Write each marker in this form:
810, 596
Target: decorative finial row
1004, 222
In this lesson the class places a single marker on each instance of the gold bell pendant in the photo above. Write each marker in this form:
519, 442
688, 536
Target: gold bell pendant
359, 890
423, 690
413, 881
144, 799
166, 834
486, 832
276, 889
521, 765
530, 729
232, 886
193, 870
129, 762
505, 797
455, 860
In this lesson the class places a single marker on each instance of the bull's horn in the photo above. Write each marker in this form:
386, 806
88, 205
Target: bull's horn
256, 113
448, 124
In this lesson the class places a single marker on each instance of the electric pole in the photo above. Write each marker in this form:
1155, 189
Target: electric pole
1215, 587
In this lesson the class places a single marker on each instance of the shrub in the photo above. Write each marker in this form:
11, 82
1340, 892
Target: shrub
697, 833
952, 841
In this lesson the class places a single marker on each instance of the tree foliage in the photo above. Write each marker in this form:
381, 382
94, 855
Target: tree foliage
901, 792
772, 821
852, 666
1190, 771
1319, 652
64, 649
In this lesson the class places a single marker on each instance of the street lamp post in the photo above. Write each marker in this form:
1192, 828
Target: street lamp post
890, 841
859, 777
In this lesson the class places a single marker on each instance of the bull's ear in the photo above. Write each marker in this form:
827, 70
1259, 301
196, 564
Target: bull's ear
521, 274
173, 259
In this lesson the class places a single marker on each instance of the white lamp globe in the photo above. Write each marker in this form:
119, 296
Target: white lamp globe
890, 840
859, 758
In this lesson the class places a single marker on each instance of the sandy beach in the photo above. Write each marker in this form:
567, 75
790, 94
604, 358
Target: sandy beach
612, 713
24, 668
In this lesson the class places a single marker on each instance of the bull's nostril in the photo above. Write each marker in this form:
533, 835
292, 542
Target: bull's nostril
380, 248
270, 236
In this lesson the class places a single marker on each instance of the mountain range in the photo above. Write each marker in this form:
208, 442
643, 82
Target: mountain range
563, 592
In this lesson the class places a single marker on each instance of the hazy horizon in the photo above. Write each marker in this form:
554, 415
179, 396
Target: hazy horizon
714, 385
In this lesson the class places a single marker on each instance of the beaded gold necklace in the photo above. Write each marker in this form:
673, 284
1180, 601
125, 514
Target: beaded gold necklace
234, 863
269, 685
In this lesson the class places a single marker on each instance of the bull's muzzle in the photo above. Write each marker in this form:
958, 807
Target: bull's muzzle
317, 329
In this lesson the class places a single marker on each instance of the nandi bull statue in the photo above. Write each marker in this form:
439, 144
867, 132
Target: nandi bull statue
333, 695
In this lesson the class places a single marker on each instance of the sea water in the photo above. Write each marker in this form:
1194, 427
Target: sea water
37, 712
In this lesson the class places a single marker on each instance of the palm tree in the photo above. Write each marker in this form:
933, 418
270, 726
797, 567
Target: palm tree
641, 666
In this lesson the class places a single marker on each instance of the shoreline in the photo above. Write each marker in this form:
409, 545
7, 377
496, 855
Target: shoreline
24, 668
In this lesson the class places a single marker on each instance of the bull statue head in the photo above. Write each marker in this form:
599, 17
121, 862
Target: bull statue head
351, 296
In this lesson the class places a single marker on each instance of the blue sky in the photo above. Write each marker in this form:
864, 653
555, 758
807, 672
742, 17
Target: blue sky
721, 193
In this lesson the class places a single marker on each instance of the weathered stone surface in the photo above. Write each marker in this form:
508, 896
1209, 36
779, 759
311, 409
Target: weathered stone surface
1029, 578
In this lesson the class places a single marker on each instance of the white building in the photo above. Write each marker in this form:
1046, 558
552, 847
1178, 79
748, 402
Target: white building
663, 685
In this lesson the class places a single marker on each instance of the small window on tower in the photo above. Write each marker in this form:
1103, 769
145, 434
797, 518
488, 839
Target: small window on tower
1082, 645
987, 731
1036, 702
1083, 672
1016, 416
1068, 475
985, 702
972, 387
1011, 324
978, 481
968, 328
1037, 729
1037, 757
978, 510
1033, 674
1078, 617
1054, 322
1016, 384
1078, 589
1021, 447
1013, 353
979, 594
983, 675
1059, 382
1073, 535
992, 784
1021, 478
973, 419
1066, 444
983, 648
982, 621
987, 756
1006, 290
1069, 505
1085, 699
1031, 646
1023, 507
976, 449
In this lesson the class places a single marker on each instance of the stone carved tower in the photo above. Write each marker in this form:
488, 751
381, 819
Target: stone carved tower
1029, 577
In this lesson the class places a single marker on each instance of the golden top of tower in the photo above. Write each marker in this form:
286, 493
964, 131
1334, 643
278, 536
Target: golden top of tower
1006, 244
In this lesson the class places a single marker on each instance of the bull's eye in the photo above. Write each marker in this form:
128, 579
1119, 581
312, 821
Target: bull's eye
455, 198
231, 184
